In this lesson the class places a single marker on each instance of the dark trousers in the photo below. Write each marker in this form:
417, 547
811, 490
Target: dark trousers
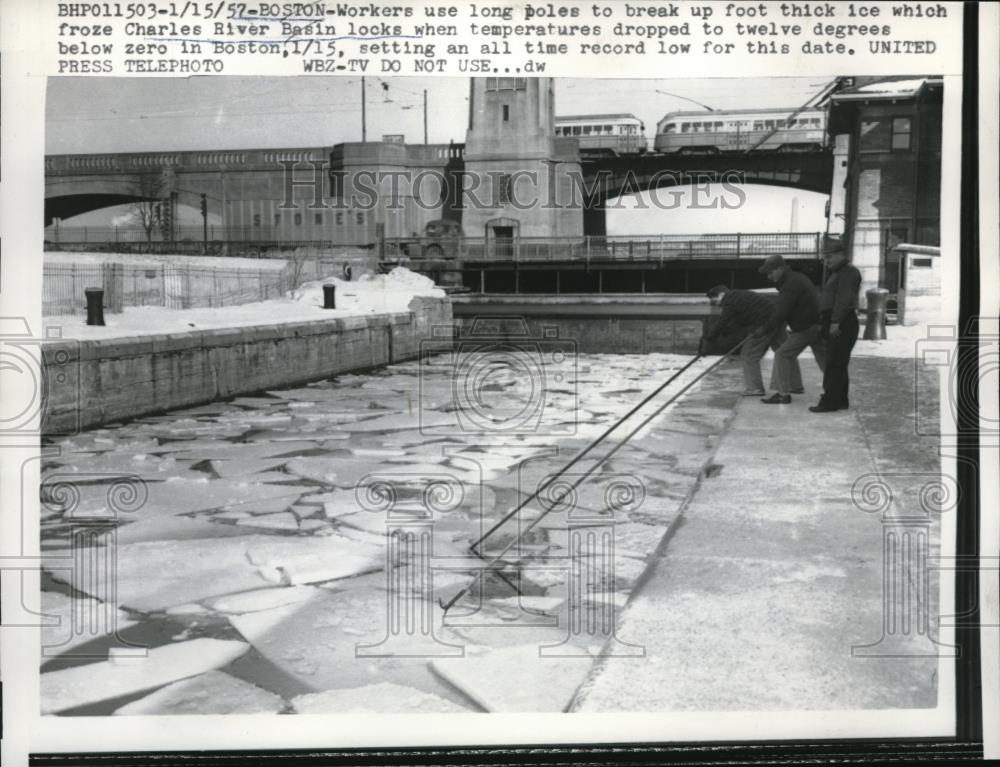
838, 357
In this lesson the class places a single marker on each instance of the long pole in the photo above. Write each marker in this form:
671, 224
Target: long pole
364, 121
555, 504
425, 116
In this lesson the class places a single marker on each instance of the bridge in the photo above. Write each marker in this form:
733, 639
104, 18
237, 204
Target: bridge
881, 170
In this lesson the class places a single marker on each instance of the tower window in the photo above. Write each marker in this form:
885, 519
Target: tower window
506, 113
503, 189
506, 83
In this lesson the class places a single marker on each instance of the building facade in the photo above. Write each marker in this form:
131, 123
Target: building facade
887, 172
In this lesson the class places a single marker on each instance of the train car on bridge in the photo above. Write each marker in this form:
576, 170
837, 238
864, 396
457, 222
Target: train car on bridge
738, 130
604, 135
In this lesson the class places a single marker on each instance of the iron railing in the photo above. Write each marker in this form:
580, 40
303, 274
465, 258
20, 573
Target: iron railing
668, 247
168, 285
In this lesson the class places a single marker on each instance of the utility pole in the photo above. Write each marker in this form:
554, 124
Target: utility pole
425, 116
364, 122
204, 222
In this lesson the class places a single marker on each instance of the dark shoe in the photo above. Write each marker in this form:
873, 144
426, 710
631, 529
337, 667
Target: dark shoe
777, 399
823, 407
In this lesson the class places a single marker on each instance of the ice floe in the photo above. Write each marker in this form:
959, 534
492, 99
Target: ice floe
381, 698
94, 682
80, 620
214, 692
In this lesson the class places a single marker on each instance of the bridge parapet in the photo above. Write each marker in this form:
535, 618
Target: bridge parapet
193, 161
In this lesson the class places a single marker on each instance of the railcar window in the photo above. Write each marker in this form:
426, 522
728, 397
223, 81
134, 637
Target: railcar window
758, 125
670, 127
901, 127
685, 127
609, 129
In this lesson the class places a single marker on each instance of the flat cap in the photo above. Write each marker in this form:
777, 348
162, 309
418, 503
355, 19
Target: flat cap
832, 244
771, 263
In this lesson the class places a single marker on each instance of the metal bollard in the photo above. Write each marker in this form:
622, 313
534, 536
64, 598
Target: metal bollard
329, 296
878, 298
95, 305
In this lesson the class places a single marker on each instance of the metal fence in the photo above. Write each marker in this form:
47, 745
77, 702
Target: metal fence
167, 285
626, 248
193, 239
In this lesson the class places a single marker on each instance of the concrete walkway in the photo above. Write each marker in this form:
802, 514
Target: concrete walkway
774, 573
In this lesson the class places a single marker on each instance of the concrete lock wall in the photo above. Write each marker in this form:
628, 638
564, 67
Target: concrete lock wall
90, 383
597, 324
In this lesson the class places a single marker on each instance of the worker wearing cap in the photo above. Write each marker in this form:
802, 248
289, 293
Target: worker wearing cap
839, 324
743, 312
798, 308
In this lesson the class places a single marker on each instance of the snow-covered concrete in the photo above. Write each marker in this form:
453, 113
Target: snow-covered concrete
149, 360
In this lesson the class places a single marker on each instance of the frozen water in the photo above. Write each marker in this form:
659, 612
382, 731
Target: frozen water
241, 467
79, 685
507, 679
317, 641
80, 621
313, 560
213, 693
239, 451
260, 599
155, 575
326, 438
281, 521
172, 529
381, 698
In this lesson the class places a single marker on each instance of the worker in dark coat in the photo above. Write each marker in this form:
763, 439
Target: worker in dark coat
839, 325
797, 307
743, 312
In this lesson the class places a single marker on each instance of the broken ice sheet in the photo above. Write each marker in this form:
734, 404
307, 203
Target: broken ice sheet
212, 693
238, 451
155, 575
380, 698
348, 471
94, 682
515, 679
146, 466
318, 641
313, 559
281, 521
172, 529
80, 620
242, 467
260, 599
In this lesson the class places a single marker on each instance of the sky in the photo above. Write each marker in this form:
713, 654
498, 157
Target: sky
93, 115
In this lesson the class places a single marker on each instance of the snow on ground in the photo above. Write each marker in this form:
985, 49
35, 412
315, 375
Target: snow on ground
365, 296
899, 341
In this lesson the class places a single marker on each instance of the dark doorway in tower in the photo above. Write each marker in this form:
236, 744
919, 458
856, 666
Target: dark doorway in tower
501, 234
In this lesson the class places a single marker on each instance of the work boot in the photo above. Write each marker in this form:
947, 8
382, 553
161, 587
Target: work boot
777, 399
823, 407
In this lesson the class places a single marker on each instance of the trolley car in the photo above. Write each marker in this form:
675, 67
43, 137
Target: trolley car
739, 130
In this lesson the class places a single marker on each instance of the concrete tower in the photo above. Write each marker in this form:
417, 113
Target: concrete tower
520, 179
